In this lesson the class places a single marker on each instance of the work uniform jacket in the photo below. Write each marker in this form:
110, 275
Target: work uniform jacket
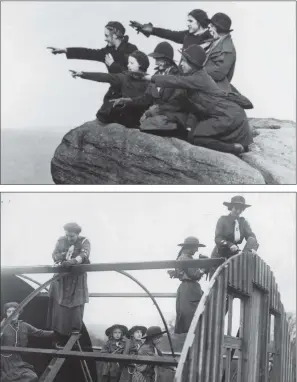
165, 111
146, 373
112, 346
120, 56
220, 61
188, 296
71, 289
127, 85
223, 118
13, 368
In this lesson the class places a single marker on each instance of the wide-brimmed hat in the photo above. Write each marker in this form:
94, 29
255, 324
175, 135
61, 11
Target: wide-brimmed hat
163, 50
72, 227
131, 331
222, 22
195, 55
191, 241
154, 331
110, 330
238, 199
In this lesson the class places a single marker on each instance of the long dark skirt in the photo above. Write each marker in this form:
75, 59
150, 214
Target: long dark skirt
13, 368
188, 296
64, 320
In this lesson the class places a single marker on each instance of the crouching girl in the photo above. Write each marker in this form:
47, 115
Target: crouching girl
130, 84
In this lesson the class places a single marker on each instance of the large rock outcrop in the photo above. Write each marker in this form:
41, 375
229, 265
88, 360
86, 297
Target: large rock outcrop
273, 152
96, 154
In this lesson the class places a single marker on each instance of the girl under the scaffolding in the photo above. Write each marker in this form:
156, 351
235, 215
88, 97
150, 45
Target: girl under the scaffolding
111, 371
13, 368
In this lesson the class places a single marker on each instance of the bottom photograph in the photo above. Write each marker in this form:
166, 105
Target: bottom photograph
148, 287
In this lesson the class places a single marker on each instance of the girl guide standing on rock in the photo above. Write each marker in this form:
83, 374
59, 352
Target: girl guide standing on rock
129, 84
224, 126
13, 368
164, 113
114, 55
69, 293
189, 292
196, 34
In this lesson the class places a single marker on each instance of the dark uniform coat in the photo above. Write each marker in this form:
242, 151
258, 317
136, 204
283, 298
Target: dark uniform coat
220, 61
165, 112
120, 56
13, 368
132, 347
128, 85
112, 370
224, 235
146, 373
188, 296
69, 293
224, 119
183, 37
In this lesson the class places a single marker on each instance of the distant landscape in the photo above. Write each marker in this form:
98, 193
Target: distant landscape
26, 155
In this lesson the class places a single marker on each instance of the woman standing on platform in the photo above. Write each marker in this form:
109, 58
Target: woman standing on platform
189, 292
68, 295
13, 368
232, 229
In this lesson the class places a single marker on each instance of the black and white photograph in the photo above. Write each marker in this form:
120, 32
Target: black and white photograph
148, 93
146, 287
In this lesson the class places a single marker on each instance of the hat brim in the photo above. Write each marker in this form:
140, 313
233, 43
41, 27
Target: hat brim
220, 26
143, 329
229, 204
190, 245
160, 55
155, 335
189, 59
109, 330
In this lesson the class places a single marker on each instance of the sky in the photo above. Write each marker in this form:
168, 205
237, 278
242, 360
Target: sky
127, 227
38, 91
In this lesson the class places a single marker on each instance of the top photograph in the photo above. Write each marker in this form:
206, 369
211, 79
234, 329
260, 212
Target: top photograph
148, 93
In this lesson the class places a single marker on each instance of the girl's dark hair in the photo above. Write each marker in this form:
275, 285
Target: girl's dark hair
116, 28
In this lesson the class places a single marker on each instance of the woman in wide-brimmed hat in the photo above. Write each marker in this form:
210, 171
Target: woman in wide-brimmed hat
132, 346
111, 371
69, 294
189, 292
197, 32
13, 368
148, 373
224, 126
232, 229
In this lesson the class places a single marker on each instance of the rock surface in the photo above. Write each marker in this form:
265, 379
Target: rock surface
96, 154
273, 152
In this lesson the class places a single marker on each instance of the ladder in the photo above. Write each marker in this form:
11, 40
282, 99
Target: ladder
55, 365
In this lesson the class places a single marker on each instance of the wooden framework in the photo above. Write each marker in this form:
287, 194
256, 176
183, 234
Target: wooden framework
248, 278
208, 352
